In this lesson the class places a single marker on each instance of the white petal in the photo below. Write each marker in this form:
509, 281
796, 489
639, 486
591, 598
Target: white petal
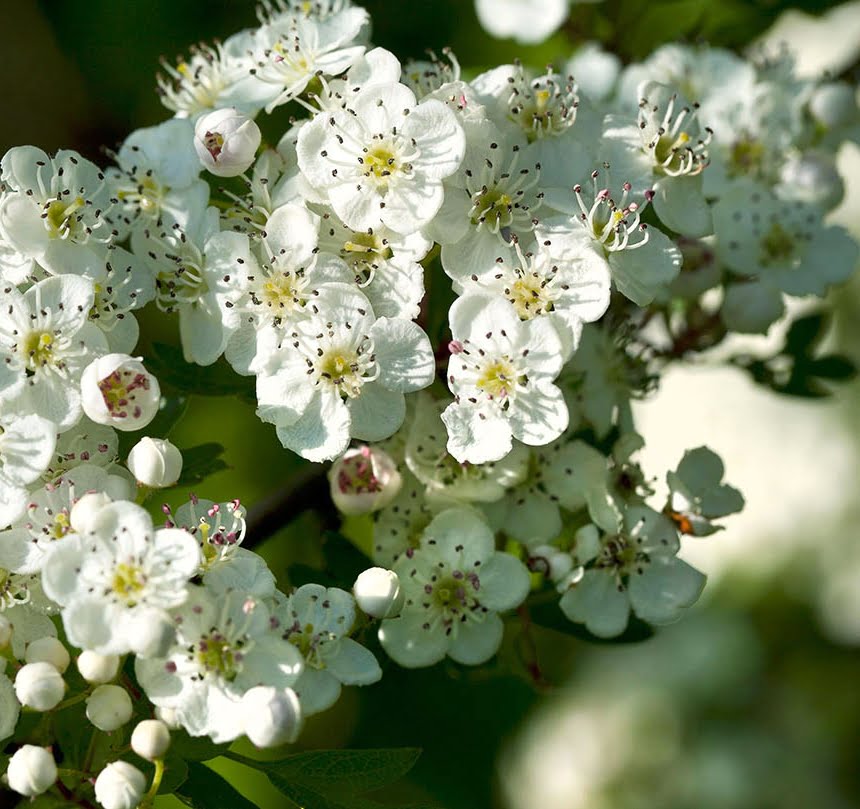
597, 602
403, 354
475, 642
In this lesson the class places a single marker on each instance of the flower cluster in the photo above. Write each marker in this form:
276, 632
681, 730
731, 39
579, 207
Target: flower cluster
582, 231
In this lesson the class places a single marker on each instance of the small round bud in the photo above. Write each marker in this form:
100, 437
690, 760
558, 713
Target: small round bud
151, 634
109, 707
552, 562
96, 668
363, 480
5, 631
48, 650
120, 785
272, 716
150, 739
84, 511
226, 142
834, 104
31, 771
39, 686
155, 462
118, 391
377, 592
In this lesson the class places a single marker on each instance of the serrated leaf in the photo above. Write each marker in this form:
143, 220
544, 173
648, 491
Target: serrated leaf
205, 789
218, 379
199, 462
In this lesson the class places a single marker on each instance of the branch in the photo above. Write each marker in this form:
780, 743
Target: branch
306, 491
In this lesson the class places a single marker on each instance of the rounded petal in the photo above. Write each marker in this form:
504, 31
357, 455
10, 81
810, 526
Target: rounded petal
476, 642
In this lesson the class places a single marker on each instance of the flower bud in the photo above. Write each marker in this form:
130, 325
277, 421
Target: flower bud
109, 707
48, 650
552, 562
834, 104
272, 715
120, 785
96, 668
363, 480
5, 631
84, 511
150, 739
226, 142
151, 634
31, 770
377, 592
118, 391
155, 462
39, 686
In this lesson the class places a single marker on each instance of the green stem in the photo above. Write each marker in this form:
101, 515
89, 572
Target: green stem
67, 703
156, 782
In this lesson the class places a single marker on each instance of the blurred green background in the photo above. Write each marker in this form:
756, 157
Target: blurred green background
752, 701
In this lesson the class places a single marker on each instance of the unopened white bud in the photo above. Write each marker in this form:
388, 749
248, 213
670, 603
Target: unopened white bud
120, 785
5, 631
150, 739
39, 686
555, 564
226, 142
151, 634
118, 391
155, 462
364, 480
96, 668
31, 771
834, 104
273, 716
85, 510
109, 707
48, 650
377, 592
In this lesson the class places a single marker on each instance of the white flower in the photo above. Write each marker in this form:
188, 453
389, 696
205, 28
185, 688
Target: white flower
109, 707
218, 527
378, 593
156, 179
26, 446
426, 76
121, 572
118, 391
86, 442
292, 50
697, 494
150, 739
31, 771
636, 569
55, 210
778, 244
596, 71
342, 373
455, 585
382, 160
10, 708
273, 716
120, 785
501, 375
5, 631
224, 647
39, 686
46, 339
527, 21
155, 462
317, 621
226, 142
363, 480
397, 528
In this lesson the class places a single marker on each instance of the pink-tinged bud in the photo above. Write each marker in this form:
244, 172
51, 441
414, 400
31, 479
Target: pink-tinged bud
364, 480
155, 462
226, 142
118, 391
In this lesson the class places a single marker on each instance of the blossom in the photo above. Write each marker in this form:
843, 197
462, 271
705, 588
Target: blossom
526, 21
26, 446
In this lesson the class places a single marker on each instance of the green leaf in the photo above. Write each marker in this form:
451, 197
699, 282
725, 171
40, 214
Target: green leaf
199, 462
218, 379
833, 366
195, 748
175, 773
339, 771
805, 333
308, 798
205, 789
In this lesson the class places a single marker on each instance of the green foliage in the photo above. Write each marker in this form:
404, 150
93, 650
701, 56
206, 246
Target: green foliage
205, 789
336, 779
797, 369
199, 462
219, 379
343, 563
